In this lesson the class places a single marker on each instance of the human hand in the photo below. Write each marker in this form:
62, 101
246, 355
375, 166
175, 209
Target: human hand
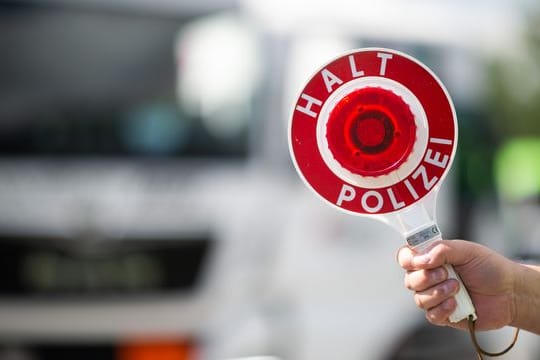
488, 276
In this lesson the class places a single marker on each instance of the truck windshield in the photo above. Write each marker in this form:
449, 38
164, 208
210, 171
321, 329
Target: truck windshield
93, 82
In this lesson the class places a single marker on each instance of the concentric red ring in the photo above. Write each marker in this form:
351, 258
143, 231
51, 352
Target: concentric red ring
371, 131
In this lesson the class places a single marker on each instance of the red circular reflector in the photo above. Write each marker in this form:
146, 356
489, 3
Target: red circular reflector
371, 131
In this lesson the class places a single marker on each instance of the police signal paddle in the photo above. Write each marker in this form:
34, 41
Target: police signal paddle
373, 133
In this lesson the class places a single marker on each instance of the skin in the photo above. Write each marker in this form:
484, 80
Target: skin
503, 291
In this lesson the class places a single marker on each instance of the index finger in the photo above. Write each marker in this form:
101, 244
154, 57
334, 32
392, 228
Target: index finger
404, 258
410, 260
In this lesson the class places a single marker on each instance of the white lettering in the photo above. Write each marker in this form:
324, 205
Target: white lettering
347, 193
436, 159
428, 184
411, 189
307, 108
395, 203
354, 72
440, 141
384, 57
330, 79
372, 194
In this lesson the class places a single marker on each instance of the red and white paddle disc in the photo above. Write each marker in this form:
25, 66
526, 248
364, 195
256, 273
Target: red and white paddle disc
373, 131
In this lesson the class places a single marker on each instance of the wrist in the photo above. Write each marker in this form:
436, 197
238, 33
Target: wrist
526, 298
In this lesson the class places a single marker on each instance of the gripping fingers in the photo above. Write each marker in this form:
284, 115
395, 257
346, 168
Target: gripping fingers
436, 295
439, 314
421, 280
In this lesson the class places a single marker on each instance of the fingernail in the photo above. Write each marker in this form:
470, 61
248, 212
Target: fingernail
454, 286
438, 275
449, 287
446, 288
448, 304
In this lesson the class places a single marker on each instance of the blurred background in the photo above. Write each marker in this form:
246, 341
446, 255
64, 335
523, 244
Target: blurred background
148, 206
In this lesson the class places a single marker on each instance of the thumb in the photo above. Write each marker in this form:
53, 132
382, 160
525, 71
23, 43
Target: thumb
455, 252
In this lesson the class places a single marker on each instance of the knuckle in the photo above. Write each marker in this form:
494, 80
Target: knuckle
406, 282
412, 281
418, 301
431, 317
440, 290
434, 317
418, 280
423, 279
403, 257
426, 277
